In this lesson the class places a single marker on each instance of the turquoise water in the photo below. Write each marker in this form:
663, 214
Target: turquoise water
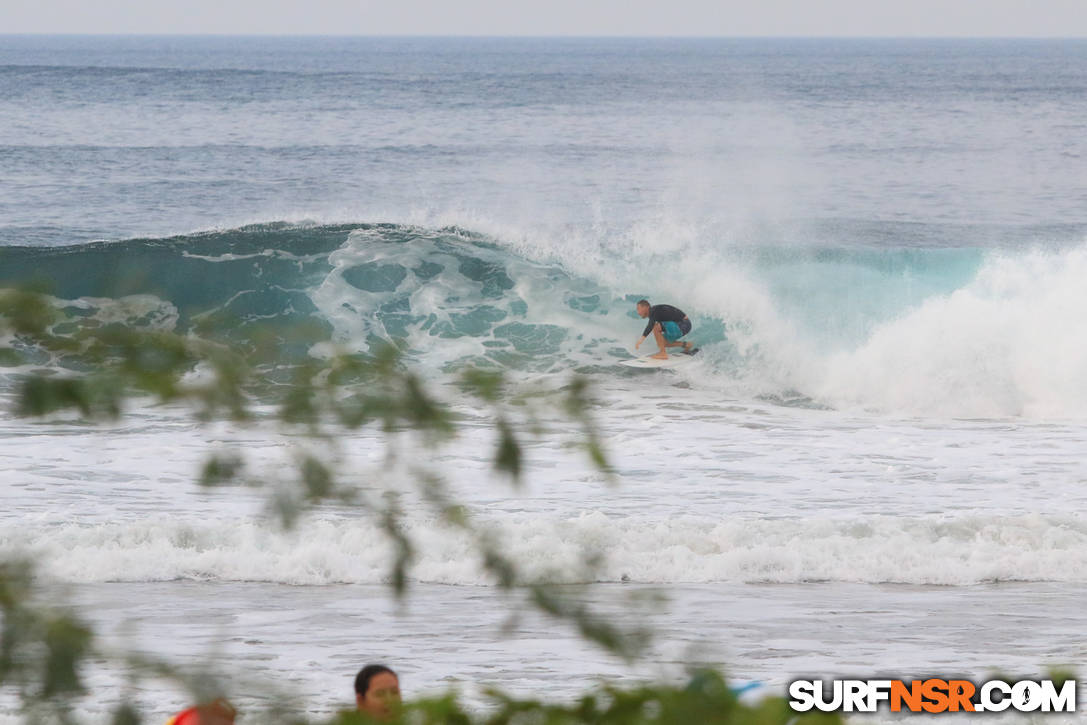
882, 245
796, 196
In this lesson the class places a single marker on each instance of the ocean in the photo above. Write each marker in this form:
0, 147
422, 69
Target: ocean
876, 466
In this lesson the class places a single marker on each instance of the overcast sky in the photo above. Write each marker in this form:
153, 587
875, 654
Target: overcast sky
1063, 18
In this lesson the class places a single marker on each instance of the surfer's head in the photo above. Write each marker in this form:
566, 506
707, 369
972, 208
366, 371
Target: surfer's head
643, 308
377, 691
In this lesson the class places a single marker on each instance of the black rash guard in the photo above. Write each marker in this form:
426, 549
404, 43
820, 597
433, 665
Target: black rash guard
662, 313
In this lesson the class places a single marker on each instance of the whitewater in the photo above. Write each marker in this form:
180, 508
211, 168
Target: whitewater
876, 466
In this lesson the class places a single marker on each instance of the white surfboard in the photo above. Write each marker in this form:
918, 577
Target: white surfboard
672, 361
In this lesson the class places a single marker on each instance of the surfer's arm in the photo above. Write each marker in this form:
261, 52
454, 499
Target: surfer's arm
649, 326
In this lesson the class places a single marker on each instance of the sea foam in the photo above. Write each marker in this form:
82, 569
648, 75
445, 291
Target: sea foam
685, 549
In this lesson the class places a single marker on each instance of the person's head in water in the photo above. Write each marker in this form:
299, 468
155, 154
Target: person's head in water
643, 308
377, 691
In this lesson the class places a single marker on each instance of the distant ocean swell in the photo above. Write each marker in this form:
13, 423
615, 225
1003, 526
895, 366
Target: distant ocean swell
957, 551
947, 331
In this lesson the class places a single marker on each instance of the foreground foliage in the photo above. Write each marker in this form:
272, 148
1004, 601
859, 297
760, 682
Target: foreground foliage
706, 698
70, 366
46, 650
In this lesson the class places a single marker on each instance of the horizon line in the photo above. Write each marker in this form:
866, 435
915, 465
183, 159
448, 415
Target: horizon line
516, 36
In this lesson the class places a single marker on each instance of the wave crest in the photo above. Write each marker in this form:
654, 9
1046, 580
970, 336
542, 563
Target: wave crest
874, 549
947, 332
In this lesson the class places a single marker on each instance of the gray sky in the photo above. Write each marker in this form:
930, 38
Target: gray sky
552, 17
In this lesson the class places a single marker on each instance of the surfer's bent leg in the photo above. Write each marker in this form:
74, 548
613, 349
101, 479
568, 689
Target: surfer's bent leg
672, 331
659, 337
684, 327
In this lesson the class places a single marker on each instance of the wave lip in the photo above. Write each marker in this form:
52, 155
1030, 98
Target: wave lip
945, 551
964, 333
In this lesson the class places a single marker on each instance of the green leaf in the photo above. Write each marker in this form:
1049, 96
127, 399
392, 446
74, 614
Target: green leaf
39, 395
67, 642
126, 714
220, 470
484, 384
403, 549
596, 455
507, 457
26, 312
316, 479
9, 357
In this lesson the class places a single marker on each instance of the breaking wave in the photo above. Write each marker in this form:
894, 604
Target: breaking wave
956, 551
962, 332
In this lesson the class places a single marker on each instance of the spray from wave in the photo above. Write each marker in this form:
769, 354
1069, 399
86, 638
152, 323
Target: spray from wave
911, 331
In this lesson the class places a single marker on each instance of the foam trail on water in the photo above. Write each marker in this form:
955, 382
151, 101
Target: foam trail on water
872, 549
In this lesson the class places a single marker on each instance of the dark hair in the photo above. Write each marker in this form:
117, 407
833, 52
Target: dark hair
643, 302
367, 673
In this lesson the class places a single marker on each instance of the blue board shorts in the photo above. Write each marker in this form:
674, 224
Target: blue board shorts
672, 331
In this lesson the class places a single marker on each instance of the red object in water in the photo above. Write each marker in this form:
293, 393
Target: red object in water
217, 713
186, 717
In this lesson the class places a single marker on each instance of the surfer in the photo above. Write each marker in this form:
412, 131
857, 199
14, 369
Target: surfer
667, 324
